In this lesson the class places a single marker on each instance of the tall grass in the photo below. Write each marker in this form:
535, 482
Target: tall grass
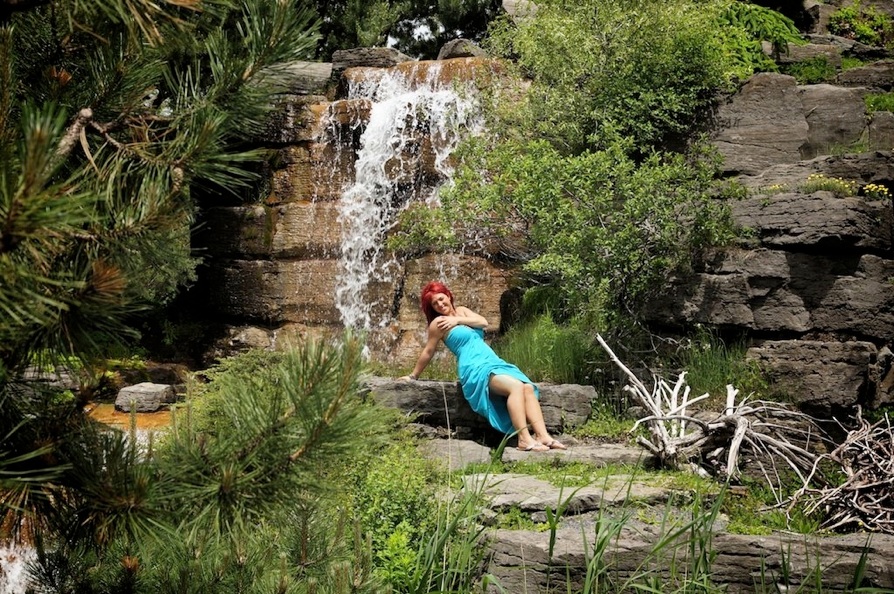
711, 363
547, 351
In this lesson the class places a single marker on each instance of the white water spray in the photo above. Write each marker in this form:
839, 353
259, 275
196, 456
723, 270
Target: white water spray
408, 118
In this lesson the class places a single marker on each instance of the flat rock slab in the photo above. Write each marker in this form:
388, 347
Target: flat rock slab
603, 454
520, 559
530, 494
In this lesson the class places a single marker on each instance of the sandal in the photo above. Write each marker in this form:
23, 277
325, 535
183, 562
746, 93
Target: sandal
555, 444
535, 446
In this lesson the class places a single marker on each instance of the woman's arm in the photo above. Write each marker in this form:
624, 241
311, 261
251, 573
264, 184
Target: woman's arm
428, 351
464, 316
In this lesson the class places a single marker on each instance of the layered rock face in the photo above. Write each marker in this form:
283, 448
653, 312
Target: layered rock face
813, 282
356, 143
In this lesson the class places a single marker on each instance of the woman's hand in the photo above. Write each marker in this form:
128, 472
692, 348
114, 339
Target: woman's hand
445, 323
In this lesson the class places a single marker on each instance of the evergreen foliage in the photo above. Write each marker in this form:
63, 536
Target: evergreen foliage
238, 504
117, 118
417, 28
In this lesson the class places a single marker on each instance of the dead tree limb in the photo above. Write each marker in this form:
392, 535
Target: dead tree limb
865, 498
775, 435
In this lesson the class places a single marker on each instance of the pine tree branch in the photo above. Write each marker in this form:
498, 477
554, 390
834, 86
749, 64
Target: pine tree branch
84, 117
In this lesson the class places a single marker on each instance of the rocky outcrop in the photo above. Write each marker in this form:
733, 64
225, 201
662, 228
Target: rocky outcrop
811, 281
520, 560
763, 124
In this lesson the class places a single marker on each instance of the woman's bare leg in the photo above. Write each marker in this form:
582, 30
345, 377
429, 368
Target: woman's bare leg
516, 403
534, 414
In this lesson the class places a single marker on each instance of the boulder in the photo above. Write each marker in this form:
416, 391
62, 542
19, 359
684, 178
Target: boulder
794, 53
847, 47
779, 293
881, 131
520, 560
308, 78
877, 76
144, 397
820, 377
819, 220
366, 57
461, 48
835, 118
439, 403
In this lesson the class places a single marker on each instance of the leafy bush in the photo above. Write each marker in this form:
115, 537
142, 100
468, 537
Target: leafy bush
393, 497
866, 25
604, 69
744, 26
602, 227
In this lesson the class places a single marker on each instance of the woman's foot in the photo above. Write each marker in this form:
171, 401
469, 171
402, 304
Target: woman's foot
555, 444
534, 446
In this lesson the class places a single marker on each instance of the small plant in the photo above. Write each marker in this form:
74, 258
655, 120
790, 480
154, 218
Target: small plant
879, 102
841, 188
866, 25
813, 71
848, 62
773, 189
876, 192
839, 150
604, 423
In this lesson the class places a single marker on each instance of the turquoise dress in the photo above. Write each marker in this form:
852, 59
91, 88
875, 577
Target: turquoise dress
476, 362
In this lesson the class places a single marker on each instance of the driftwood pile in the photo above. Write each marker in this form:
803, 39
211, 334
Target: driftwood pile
773, 437
769, 434
865, 500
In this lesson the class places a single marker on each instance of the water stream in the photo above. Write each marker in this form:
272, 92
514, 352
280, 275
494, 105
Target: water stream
415, 124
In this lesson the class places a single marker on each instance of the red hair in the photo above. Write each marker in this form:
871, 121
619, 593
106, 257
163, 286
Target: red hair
425, 298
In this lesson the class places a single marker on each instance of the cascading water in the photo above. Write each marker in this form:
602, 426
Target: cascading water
411, 118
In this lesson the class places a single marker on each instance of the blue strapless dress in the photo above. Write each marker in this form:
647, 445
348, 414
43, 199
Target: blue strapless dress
475, 363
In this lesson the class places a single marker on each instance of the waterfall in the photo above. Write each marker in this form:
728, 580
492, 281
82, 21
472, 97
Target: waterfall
415, 122
13, 561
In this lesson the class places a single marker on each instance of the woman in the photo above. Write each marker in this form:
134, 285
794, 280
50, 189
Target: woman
495, 389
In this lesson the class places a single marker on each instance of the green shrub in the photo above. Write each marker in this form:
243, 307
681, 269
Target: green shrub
745, 26
603, 69
602, 227
866, 25
393, 497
